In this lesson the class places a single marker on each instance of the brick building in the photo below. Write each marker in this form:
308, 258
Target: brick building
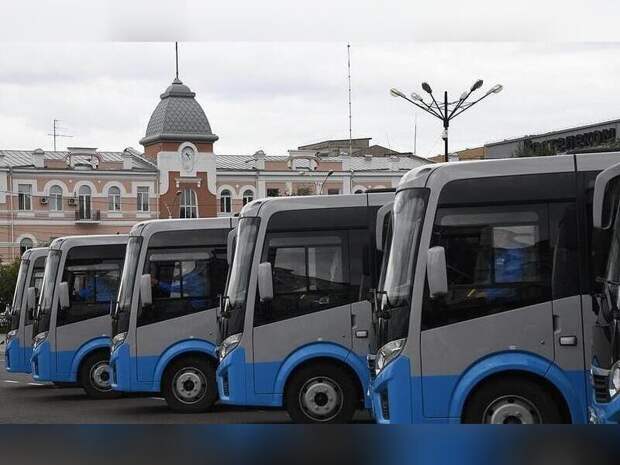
44, 195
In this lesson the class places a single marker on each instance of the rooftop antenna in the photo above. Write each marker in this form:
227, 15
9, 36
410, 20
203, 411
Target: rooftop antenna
349, 77
55, 134
176, 55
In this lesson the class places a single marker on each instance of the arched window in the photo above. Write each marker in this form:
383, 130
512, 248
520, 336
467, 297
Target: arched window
84, 196
248, 196
225, 201
189, 204
114, 199
25, 244
55, 198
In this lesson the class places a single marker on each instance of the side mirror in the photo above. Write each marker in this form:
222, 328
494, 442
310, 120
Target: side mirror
146, 293
31, 299
265, 282
436, 271
63, 295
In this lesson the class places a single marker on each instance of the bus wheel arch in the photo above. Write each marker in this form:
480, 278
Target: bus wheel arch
94, 374
525, 381
188, 382
327, 373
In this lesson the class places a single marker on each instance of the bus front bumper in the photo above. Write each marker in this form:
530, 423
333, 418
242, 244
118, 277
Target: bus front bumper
41, 362
231, 379
120, 364
390, 393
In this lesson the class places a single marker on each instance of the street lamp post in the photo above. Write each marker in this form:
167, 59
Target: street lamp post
448, 110
325, 180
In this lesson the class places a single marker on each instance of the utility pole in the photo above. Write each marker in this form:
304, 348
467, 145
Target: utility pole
349, 78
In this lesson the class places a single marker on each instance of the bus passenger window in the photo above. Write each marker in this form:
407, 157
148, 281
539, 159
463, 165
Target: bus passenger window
498, 259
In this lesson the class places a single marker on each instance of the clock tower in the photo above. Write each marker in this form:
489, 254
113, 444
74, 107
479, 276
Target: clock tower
179, 141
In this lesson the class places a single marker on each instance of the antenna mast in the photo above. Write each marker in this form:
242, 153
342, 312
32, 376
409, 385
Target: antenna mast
176, 55
349, 77
55, 133
415, 133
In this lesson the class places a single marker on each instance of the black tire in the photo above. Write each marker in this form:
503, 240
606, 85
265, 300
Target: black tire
512, 400
94, 376
189, 385
322, 393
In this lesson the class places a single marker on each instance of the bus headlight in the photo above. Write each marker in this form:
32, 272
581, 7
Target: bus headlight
614, 379
118, 340
228, 345
388, 352
10, 335
39, 338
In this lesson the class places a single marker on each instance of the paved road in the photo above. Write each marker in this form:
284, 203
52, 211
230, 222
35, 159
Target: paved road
24, 401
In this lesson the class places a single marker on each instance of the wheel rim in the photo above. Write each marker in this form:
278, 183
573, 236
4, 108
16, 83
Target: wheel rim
101, 376
189, 385
320, 399
513, 410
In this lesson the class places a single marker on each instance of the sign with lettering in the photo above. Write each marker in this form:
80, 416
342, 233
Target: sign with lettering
576, 141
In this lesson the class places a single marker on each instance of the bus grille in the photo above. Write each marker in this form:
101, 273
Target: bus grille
601, 389
225, 385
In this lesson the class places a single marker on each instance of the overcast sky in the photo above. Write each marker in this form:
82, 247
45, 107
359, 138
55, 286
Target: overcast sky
276, 96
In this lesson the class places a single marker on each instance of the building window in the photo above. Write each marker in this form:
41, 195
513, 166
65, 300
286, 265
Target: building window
84, 202
333, 191
225, 201
24, 196
143, 199
273, 192
189, 204
55, 200
304, 191
25, 244
114, 199
248, 196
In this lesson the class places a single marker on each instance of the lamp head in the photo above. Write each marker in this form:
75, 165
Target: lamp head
416, 96
477, 85
396, 93
427, 88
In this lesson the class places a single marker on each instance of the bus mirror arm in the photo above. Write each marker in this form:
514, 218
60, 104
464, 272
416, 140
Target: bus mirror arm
146, 294
436, 271
265, 282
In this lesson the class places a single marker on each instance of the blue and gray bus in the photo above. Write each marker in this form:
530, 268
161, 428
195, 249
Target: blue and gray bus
72, 325
296, 323
165, 321
485, 309
21, 312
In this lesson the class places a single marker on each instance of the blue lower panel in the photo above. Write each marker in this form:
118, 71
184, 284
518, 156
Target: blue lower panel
123, 372
17, 357
398, 398
44, 367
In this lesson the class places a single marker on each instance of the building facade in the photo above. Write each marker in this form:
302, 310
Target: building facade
178, 174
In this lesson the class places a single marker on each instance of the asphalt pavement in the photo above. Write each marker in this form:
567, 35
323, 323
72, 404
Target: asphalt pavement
23, 400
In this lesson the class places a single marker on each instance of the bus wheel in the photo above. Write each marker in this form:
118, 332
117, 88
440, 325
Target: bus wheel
321, 393
512, 400
96, 376
189, 385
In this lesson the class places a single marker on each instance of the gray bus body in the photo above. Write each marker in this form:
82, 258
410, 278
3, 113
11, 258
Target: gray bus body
168, 344
318, 260
28, 286
488, 292
72, 327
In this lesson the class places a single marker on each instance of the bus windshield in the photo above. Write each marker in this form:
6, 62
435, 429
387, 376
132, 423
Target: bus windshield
237, 290
407, 222
47, 291
128, 279
19, 292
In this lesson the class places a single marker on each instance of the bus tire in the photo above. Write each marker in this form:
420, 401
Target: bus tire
321, 393
512, 400
95, 376
189, 385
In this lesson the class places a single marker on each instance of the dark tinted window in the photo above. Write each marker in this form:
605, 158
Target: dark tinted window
184, 280
93, 274
36, 279
498, 259
313, 272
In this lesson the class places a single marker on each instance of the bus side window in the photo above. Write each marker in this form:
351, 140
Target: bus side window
498, 259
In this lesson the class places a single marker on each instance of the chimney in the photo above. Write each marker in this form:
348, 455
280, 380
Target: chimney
127, 159
259, 157
38, 158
